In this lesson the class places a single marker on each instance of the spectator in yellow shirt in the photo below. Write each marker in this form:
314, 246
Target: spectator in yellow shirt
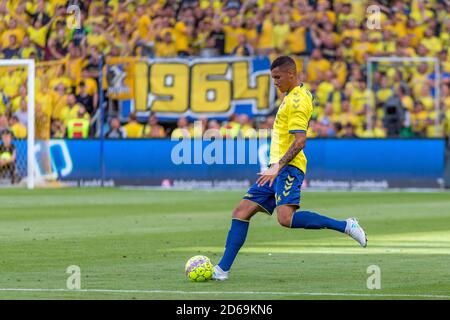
246, 129
425, 98
266, 36
182, 129
183, 34
57, 43
133, 128
295, 39
10, 83
420, 13
13, 29
336, 97
347, 50
97, 38
232, 33
60, 78
166, 47
37, 31
74, 62
28, 49
361, 98
18, 129
407, 100
431, 42
153, 129
59, 100
362, 47
419, 119
243, 48
339, 67
352, 31
70, 111
280, 31
345, 14
251, 32
143, 24
12, 51
384, 92
325, 88
414, 32
316, 66
324, 12
15, 102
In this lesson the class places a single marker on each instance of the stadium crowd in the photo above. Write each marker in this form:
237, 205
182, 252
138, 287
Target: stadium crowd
331, 41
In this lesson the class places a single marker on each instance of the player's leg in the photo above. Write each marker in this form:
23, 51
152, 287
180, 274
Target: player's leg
313, 220
237, 234
290, 217
255, 200
288, 189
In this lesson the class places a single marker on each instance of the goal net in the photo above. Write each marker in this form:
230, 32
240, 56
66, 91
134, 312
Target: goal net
25, 125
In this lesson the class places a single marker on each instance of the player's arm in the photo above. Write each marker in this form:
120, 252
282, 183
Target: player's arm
296, 146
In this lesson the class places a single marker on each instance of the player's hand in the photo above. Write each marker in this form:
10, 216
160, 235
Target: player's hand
268, 175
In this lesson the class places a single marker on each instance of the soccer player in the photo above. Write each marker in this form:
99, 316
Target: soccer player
279, 186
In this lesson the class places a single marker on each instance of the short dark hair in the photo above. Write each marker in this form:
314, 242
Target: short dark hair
283, 61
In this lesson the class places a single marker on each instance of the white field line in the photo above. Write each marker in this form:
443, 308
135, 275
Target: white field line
381, 295
310, 189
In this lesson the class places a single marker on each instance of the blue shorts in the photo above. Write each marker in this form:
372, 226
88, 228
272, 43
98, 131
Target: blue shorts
285, 190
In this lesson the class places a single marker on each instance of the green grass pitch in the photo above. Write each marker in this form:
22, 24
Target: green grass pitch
133, 244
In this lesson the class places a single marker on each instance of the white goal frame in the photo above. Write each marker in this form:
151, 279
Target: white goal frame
437, 80
30, 64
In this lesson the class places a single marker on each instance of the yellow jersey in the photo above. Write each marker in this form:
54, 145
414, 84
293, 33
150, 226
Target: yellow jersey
134, 130
19, 130
38, 36
68, 113
293, 116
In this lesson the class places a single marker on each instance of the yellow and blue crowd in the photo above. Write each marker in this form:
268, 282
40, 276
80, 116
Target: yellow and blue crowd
330, 40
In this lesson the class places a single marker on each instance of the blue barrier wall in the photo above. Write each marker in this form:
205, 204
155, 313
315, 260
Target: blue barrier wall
331, 163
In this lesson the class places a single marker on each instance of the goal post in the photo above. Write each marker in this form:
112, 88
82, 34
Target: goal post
405, 60
30, 65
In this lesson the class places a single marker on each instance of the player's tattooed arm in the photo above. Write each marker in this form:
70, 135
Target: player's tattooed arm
297, 146
270, 174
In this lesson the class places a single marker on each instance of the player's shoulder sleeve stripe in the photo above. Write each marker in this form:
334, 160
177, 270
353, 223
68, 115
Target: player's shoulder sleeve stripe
309, 94
297, 131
